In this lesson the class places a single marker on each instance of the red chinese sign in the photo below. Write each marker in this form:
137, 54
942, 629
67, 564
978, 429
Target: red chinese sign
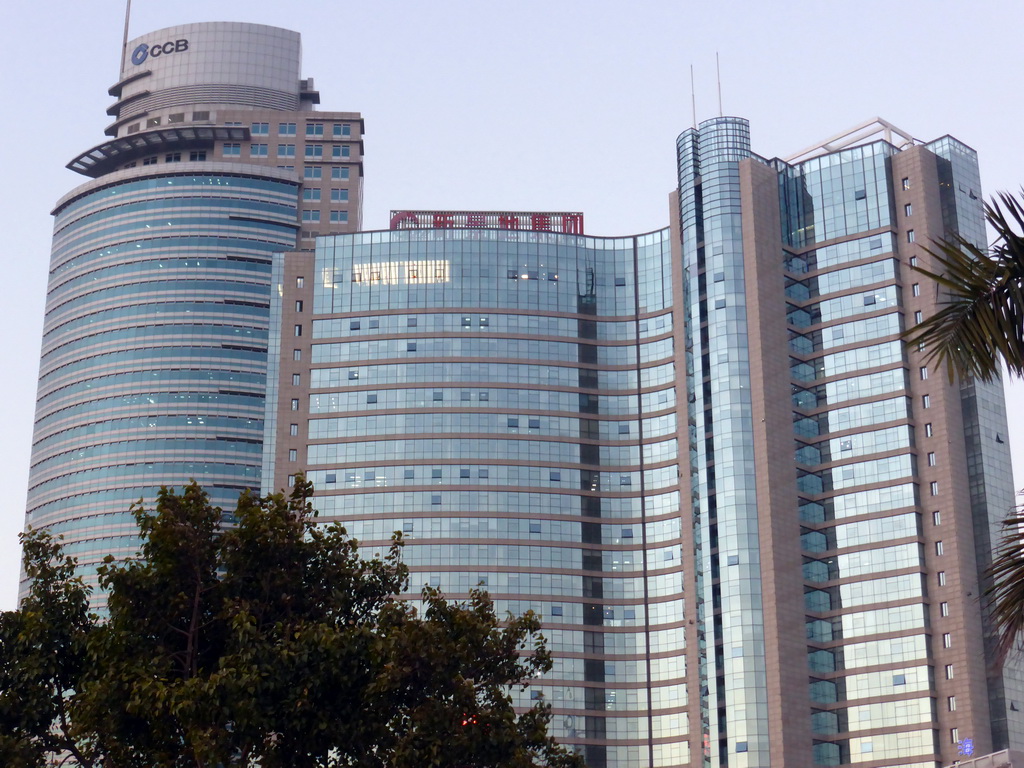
566, 223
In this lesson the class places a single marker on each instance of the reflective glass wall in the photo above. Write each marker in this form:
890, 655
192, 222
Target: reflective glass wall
154, 349
507, 401
727, 546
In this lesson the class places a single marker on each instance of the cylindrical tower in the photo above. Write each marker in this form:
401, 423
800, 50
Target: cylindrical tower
154, 346
153, 368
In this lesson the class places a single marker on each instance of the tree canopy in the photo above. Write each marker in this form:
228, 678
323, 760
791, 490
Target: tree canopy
267, 643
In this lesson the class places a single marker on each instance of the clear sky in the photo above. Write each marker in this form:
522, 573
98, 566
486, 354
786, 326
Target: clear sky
555, 105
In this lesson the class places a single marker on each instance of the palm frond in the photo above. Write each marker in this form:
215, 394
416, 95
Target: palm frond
981, 299
1005, 595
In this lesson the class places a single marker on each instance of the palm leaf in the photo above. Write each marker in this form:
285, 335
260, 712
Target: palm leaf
1005, 594
980, 319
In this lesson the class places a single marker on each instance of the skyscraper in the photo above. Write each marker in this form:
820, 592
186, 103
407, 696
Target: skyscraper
153, 367
752, 518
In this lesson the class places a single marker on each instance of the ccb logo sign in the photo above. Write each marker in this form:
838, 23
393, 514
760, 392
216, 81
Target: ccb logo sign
144, 51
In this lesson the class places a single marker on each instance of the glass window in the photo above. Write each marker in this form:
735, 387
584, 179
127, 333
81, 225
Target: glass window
258, 150
293, 430
296, 379
296, 354
298, 330
910, 235
314, 151
934, 487
295, 404
313, 172
314, 129
339, 172
931, 459
944, 609
916, 289
339, 217
293, 454
938, 548
942, 578
339, 195
907, 209
905, 183
311, 193
286, 129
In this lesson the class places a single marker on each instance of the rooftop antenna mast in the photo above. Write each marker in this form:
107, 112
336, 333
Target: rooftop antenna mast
718, 71
693, 97
124, 42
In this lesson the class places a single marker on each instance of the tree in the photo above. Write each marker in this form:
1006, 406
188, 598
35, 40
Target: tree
273, 643
981, 319
979, 324
42, 656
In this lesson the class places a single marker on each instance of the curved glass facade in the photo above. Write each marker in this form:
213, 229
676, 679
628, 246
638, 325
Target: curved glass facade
751, 517
154, 353
507, 400
153, 365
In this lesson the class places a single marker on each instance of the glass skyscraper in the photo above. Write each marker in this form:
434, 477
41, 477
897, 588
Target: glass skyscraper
154, 352
752, 517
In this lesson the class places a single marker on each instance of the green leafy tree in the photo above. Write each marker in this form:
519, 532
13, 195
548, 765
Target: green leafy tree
272, 643
42, 656
980, 322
